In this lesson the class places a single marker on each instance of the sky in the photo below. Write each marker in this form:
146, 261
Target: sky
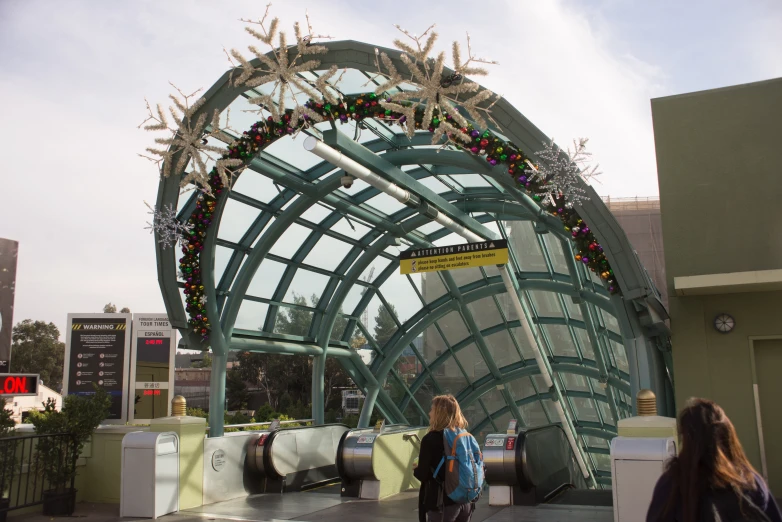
74, 76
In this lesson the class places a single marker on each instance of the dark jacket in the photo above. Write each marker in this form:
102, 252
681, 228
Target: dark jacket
761, 497
432, 451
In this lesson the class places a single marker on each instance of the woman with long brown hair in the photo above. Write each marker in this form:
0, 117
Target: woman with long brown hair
445, 414
711, 478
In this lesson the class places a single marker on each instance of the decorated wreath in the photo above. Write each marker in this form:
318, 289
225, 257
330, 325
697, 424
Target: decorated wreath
426, 97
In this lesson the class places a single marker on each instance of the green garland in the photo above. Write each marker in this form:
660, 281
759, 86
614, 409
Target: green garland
357, 108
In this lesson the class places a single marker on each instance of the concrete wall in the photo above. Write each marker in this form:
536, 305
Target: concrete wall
720, 191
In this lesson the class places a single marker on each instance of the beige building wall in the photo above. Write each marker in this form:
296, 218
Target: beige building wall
720, 191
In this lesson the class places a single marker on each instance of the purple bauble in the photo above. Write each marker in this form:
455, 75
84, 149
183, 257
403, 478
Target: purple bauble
585, 260
523, 179
475, 134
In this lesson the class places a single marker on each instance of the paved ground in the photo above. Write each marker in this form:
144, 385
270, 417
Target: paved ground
304, 507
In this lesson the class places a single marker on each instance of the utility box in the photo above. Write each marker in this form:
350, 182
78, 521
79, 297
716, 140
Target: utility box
636, 465
150, 474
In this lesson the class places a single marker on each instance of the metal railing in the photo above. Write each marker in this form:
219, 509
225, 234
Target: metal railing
636, 203
34, 468
303, 422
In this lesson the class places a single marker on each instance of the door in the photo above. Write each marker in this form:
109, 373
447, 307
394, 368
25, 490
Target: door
768, 368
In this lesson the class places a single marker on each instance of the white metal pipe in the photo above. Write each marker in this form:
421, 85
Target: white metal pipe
353, 168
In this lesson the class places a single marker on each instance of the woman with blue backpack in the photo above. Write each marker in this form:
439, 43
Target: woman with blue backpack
450, 466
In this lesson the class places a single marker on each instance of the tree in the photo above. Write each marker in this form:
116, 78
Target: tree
37, 349
205, 362
287, 380
236, 392
385, 326
111, 308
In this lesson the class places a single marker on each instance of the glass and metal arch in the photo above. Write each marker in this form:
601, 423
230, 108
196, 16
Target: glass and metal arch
288, 228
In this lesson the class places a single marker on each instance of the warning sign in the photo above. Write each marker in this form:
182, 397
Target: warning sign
454, 257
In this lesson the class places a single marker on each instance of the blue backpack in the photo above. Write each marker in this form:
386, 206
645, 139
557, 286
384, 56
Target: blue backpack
464, 473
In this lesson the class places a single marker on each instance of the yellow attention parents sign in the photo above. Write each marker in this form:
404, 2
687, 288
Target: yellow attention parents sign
454, 257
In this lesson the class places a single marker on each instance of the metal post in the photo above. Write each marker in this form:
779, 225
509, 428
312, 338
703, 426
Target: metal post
217, 395
318, 406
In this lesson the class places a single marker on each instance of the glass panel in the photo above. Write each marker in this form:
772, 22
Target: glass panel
585, 409
502, 349
574, 382
474, 415
339, 328
287, 245
605, 411
293, 321
522, 388
556, 253
306, 284
573, 310
586, 346
472, 180
382, 321
595, 442
431, 286
425, 393
602, 462
351, 228
453, 327
316, 213
400, 294
222, 257
533, 414
433, 183
524, 243
237, 218
527, 350
472, 362
485, 313
560, 341
546, 303
251, 315
328, 253
266, 279
620, 356
493, 400
502, 422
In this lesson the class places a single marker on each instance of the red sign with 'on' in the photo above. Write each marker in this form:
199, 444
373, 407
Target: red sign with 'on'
18, 385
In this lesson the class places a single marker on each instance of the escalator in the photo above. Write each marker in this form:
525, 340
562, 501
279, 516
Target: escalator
537, 466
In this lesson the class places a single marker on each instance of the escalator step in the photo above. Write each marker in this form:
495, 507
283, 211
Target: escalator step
584, 497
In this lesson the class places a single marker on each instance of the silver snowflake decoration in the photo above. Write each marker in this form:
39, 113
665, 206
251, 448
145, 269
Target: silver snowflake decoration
283, 71
560, 171
165, 224
433, 89
189, 142
202, 300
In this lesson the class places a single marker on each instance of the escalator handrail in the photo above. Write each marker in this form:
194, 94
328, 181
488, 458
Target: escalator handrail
521, 452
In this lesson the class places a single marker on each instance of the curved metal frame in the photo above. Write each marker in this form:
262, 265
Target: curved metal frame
638, 313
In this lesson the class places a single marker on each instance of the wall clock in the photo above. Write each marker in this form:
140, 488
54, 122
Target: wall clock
724, 323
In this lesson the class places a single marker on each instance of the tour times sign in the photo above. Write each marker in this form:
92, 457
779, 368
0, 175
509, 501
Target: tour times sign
97, 352
151, 367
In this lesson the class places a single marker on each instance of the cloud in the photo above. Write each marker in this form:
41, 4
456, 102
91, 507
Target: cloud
75, 76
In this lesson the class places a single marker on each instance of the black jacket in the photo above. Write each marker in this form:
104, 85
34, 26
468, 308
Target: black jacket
432, 451
761, 497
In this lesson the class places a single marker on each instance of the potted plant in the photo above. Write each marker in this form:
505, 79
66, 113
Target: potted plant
57, 456
7, 459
